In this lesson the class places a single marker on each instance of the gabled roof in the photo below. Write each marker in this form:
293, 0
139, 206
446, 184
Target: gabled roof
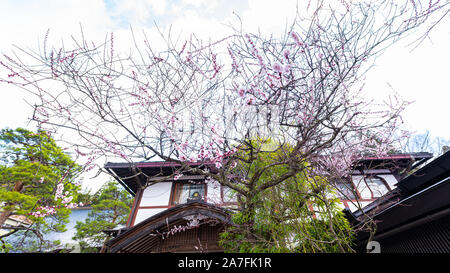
392, 161
148, 234
134, 175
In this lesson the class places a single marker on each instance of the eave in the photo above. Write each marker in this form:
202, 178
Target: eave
419, 198
143, 237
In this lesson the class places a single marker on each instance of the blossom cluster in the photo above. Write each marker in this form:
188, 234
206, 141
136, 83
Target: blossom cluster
45, 211
61, 196
193, 222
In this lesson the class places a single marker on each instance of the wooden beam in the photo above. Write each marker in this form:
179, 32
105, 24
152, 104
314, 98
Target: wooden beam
182, 178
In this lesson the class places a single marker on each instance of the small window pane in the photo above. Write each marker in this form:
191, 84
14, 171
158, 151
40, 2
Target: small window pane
361, 187
345, 191
188, 192
377, 186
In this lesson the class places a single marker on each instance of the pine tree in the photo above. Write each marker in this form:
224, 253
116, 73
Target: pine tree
37, 181
110, 209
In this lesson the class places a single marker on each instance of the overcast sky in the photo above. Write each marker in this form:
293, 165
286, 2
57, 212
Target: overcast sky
421, 76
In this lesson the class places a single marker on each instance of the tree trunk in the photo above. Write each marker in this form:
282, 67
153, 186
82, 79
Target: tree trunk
18, 186
3, 216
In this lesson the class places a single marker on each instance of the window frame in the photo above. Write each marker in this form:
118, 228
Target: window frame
176, 186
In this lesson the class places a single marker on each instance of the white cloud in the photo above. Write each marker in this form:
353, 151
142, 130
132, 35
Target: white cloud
24, 23
420, 75
136, 12
268, 16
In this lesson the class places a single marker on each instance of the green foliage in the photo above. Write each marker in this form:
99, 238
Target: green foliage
110, 209
20, 203
280, 218
86, 197
31, 166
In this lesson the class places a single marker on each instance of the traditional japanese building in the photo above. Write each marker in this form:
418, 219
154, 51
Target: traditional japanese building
373, 177
414, 217
180, 214
186, 213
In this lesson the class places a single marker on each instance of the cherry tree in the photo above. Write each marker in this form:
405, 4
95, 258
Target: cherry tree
207, 102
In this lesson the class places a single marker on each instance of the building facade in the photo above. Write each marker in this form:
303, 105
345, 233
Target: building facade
162, 206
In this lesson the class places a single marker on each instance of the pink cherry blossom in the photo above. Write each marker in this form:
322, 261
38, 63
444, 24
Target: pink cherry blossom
278, 68
241, 92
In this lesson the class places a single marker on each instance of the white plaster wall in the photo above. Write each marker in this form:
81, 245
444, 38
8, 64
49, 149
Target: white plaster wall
143, 214
213, 192
156, 195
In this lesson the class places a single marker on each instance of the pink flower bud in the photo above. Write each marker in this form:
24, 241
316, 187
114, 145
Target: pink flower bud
241, 92
177, 176
277, 67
